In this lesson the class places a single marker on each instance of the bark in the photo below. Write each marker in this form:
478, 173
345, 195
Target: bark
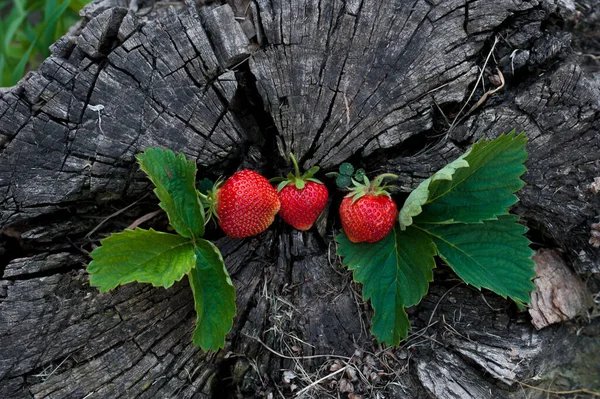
240, 85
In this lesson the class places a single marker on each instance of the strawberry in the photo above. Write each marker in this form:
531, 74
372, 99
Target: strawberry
245, 205
302, 197
368, 213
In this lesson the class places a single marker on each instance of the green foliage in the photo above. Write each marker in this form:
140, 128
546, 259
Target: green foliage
493, 254
343, 181
483, 190
175, 181
214, 297
145, 256
29, 27
148, 256
419, 196
346, 169
477, 186
360, 175
460, 214
395, 273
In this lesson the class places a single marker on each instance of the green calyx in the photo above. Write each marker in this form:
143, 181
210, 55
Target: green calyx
209, 200
374, 187
297, 179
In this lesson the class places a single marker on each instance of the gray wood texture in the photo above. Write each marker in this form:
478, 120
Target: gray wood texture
239, 85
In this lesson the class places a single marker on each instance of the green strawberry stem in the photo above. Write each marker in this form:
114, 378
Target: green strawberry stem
209, 201
293, 158
297, 179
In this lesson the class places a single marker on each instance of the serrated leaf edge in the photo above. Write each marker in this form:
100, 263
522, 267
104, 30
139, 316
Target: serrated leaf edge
229, 324
518, 301
189, 233
104, 290
402, 335
420, 195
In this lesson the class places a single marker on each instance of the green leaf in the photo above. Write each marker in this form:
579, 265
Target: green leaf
477, 186
145, 256
493, 254
281, 185
346, 169
419, 196
395, 273
175, 179
360, 174
23, 44
310, 173
343, 181
214, 297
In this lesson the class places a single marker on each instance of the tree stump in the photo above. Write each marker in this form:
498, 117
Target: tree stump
388, 85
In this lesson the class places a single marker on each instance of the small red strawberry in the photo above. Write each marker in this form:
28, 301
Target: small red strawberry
245, 205
302, 197
368, 213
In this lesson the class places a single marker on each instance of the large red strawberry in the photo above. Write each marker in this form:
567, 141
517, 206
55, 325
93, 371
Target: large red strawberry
302, 197
246, 204
368, 213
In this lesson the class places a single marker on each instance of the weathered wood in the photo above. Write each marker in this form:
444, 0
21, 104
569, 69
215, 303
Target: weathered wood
560, 294
376, 82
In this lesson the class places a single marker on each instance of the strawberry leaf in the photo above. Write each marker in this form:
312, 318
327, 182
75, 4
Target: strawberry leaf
478, 186
214, 297
175, 179
395, 273
493, 254
360, 174
281, 185
419, 196
346, 169
464, 209
145, 256
343, 181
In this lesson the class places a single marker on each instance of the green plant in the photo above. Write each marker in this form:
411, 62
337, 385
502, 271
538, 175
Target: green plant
149, 256
29, 28
459, 214
343, 178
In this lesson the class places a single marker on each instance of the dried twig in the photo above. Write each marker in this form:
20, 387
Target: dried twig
88, 235
486, 94
456, 119
45, 377
571, 392
143, 219
273, 351
306, 388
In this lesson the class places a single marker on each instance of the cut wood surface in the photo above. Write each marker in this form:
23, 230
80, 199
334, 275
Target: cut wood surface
389, 85
559, 295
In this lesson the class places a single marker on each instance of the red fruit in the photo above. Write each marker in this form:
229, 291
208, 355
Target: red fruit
246, 204
368, 213
301, 208
302, 197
